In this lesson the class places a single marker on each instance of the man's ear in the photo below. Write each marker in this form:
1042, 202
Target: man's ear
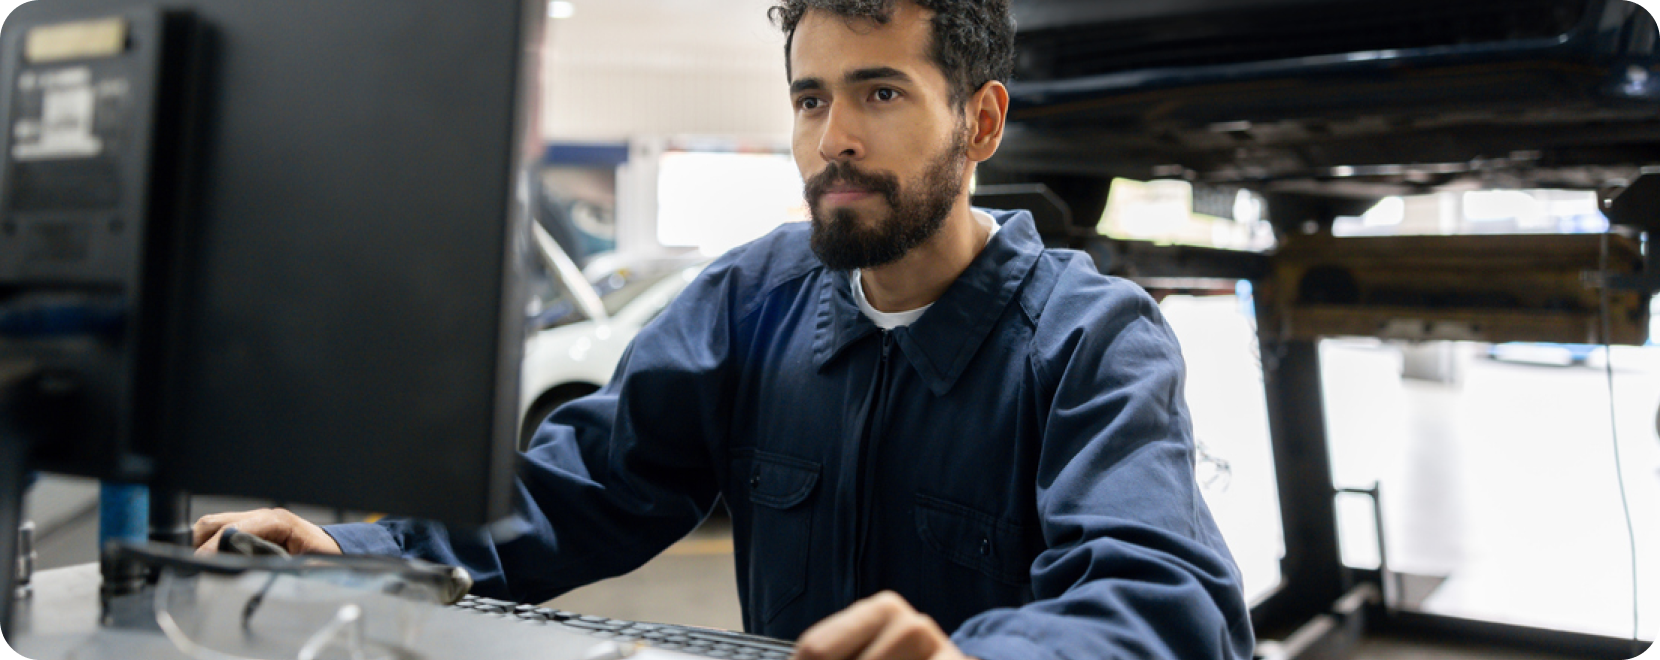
986, 111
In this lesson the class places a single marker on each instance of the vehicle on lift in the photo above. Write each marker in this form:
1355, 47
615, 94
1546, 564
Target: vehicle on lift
1550, 353
1326, 106
576, 354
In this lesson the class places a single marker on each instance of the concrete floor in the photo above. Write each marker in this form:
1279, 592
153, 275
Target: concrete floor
693, 582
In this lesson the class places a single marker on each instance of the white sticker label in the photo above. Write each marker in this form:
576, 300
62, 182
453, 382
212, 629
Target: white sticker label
64, 128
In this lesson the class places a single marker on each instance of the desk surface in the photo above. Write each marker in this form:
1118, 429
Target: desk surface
60, 621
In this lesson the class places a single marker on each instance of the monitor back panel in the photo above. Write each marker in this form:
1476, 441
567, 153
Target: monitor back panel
339, 322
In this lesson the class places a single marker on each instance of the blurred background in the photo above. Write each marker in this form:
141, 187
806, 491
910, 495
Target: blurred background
1491, 465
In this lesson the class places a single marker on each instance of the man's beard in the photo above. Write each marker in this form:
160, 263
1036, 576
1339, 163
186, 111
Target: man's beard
842, 242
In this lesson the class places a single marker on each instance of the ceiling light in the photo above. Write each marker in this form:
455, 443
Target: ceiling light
561, 9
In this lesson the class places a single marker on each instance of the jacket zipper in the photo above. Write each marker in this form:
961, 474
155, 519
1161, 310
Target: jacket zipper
869, 440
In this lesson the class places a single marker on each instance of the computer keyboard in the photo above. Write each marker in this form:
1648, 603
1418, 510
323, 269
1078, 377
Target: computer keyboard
706, 642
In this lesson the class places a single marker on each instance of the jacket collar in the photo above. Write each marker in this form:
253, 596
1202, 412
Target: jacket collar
941, 342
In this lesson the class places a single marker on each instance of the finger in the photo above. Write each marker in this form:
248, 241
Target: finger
909, 636
295, 534
209, 525
843, 635
271, 526
204, 528
210, 547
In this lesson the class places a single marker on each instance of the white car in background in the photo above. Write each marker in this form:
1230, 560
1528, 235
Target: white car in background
580, 329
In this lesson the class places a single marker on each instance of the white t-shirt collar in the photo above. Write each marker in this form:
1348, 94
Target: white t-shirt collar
891, 320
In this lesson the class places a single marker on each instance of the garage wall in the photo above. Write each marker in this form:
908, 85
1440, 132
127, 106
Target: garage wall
619, 69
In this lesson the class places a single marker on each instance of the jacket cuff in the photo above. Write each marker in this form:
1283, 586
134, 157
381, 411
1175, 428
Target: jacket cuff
363, 539
1003, 647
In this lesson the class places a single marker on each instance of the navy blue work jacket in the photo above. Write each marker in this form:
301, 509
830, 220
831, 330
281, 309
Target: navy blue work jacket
1017, 463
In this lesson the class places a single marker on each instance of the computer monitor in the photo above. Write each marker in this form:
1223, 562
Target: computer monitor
268, 249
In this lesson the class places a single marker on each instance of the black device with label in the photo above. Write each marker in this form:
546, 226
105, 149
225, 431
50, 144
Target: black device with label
264, 249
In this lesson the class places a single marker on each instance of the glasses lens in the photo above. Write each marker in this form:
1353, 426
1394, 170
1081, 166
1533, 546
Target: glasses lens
328, 613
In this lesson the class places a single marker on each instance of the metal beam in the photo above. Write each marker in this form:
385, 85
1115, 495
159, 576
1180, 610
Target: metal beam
1313, 576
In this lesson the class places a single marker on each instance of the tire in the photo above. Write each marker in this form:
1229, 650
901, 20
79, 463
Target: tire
544, 406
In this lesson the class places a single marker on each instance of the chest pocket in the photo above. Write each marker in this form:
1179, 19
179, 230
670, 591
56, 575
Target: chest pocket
777, 489
970, 538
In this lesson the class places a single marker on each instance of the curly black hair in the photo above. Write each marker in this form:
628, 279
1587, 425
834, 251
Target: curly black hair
973, 40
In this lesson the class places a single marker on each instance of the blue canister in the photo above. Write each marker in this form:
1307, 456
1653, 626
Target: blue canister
123, 513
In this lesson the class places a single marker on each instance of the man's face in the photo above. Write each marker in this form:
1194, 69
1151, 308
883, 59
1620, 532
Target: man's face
877, 139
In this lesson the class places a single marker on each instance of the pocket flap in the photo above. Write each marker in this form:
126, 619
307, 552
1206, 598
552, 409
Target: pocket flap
780, 481
974, 539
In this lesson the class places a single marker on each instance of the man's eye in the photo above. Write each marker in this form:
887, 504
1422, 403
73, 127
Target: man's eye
809, 103
886, 94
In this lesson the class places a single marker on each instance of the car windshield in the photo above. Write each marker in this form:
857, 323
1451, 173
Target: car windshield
551, 303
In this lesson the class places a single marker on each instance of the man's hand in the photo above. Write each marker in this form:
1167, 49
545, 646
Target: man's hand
279, 526
882, 627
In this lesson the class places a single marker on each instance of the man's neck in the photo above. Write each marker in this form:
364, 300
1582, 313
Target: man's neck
923, 274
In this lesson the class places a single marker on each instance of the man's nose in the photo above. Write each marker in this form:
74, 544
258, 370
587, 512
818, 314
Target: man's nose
841, 138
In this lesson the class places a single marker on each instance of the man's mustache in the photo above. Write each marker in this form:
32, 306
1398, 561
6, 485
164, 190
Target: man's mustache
841, 174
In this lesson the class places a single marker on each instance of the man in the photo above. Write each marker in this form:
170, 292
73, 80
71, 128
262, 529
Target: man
919, 420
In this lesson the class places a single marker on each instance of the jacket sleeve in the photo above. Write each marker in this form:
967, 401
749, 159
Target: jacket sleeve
609, 480
1134, 565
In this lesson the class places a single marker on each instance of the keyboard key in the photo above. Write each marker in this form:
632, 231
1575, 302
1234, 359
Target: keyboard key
745, 640
706, 642
586, 625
